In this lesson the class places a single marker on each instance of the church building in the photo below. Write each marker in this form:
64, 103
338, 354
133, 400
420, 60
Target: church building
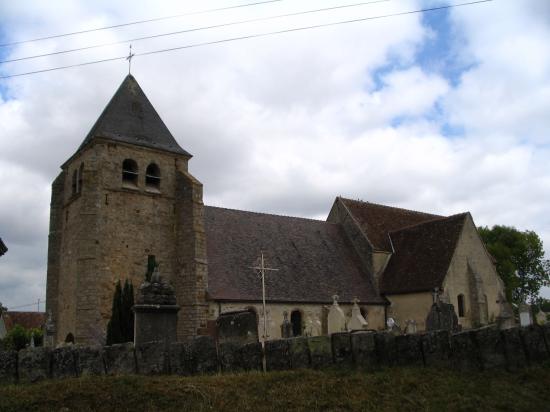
125, 201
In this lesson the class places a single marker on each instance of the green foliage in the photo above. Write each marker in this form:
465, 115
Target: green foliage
17, 338
120, 328
519, 261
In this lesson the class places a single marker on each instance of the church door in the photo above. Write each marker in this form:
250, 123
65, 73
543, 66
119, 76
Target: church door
296, 320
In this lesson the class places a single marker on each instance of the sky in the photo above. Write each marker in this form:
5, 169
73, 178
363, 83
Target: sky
443, 111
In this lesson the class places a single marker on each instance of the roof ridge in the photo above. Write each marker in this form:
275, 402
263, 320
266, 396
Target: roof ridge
270, 214
393, 207
428, 221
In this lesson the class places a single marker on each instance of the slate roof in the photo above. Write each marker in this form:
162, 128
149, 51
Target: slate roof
422, 255
314, 258
26, 319
377, 221
3, 248
130, 117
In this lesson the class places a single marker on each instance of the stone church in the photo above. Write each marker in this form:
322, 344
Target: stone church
125, 200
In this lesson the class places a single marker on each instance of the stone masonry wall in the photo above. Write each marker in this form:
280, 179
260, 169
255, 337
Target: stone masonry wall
108, 230
474, 350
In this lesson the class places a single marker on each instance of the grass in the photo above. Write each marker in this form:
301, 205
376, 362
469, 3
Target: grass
303, 390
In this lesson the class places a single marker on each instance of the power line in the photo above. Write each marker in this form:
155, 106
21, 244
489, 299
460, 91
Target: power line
138, 22
194, 29
26, 305
251, 36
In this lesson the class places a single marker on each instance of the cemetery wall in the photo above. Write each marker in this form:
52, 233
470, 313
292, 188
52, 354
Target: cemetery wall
473, 350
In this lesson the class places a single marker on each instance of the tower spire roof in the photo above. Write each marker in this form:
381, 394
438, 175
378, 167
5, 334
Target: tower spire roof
129, 117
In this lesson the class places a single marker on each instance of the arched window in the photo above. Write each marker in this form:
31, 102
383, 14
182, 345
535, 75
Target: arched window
74, 183
129, 173
460, 299
296, 320
152, 176
80, 173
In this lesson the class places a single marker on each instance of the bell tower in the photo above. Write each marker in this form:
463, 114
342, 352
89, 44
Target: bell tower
125, 199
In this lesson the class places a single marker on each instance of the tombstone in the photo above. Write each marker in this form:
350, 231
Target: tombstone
525, 318
237, 327
393, 327
336, 318
357, 321
156, 312
505, 318
442, 316
286, 327
49, 331
540, 317
410, 327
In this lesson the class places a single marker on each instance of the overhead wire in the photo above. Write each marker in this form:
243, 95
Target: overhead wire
216, 26
55, 36
251, 36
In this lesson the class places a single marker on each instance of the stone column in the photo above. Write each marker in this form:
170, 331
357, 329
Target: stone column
156, 312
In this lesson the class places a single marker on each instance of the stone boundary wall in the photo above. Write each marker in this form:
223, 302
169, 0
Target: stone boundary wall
473, 350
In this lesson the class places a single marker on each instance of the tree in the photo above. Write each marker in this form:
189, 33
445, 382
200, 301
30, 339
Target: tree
120, 328
519, 261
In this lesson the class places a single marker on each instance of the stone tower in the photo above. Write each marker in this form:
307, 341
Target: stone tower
124, 200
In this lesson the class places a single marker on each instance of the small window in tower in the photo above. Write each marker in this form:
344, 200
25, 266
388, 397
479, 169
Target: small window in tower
152, 177
80, 172
129, 173
74, 182
460, 299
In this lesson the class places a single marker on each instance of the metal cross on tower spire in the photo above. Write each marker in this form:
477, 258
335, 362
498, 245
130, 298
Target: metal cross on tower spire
261, 267
129, 58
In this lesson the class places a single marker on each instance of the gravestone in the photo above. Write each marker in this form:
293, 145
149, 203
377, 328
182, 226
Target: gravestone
34, 364
120, 359
541, 317
277, 355
8, 367
442, 316
336, 318
64, 362
357, 321
239, 327
525, 318
364, 350
156, 312
89, 360
286, 327
505, 318
410, 327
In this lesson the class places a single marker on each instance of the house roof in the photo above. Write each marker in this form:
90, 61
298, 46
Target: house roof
377, 221
314, 259
423, 253
3, 248
129, 117
26, 319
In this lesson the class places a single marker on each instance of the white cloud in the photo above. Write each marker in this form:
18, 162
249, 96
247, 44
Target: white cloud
285, 123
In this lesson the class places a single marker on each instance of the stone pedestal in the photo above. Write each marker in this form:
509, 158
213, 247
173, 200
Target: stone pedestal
156, 312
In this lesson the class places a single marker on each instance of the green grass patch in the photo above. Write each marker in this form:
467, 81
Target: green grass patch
405, 389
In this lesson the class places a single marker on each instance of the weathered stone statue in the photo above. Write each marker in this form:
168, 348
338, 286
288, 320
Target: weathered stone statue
49, 331
286, 326
156, 311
